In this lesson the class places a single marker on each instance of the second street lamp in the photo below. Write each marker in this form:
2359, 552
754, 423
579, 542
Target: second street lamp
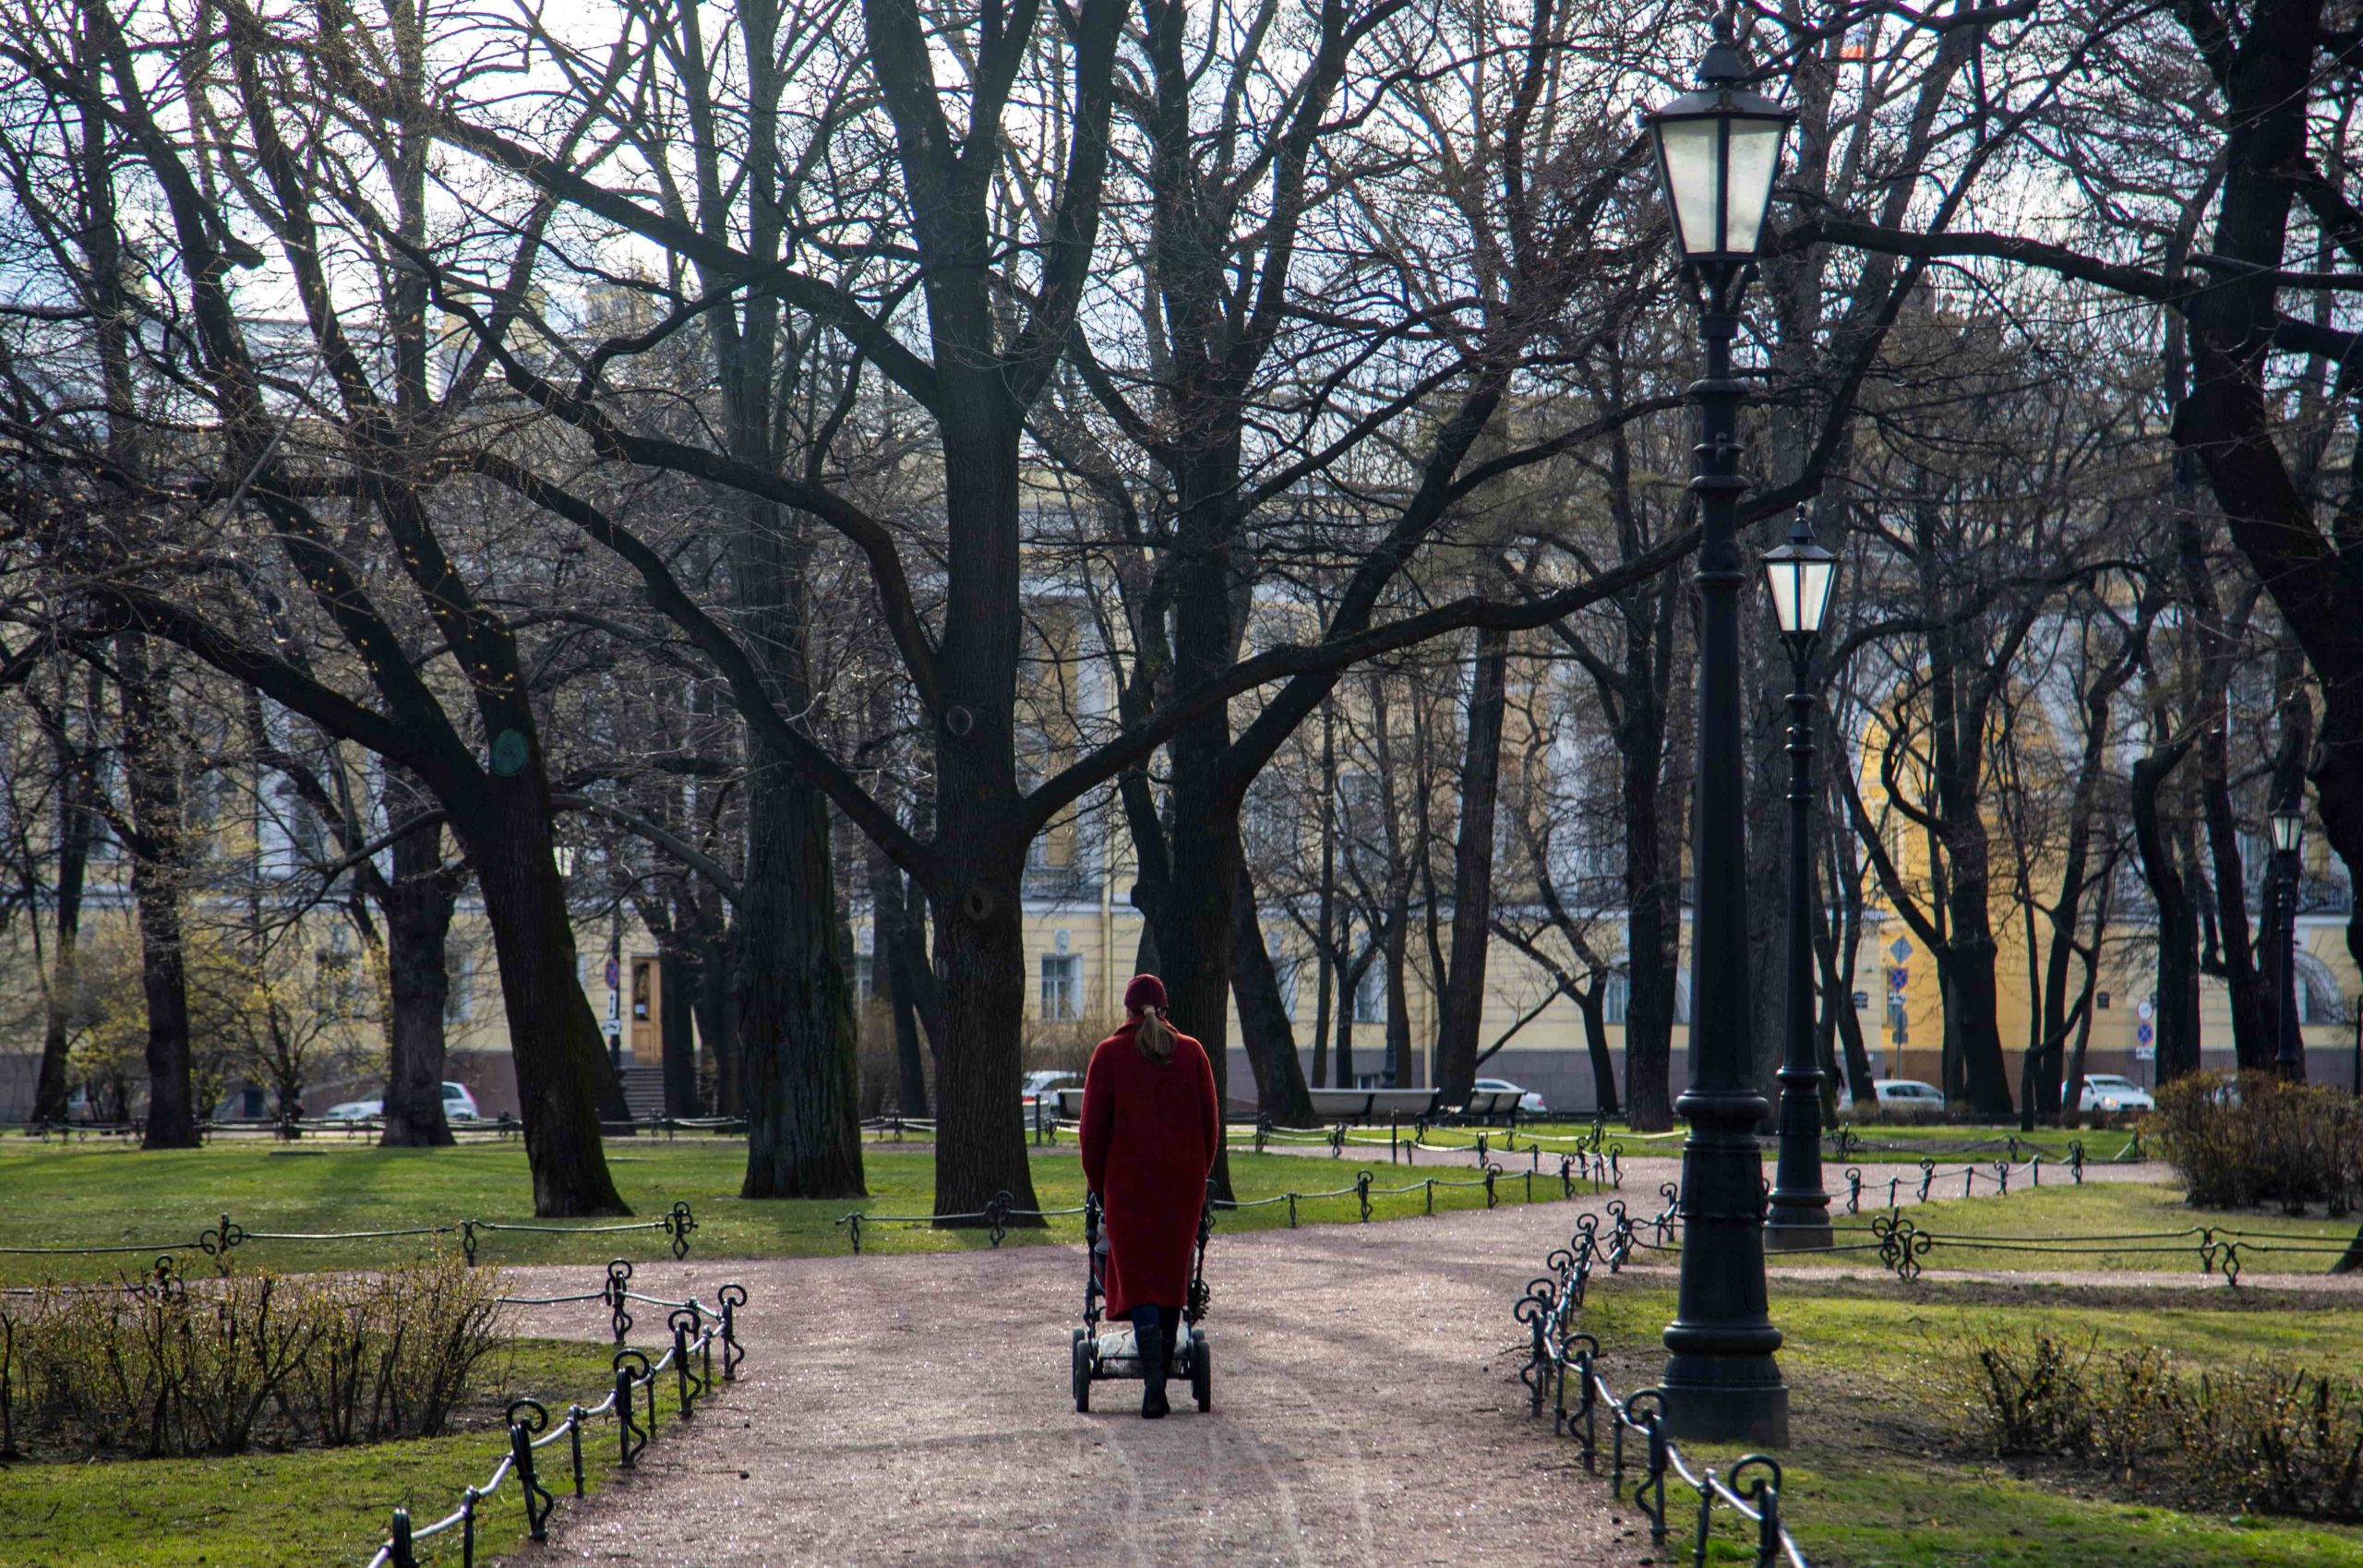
1716, 150
2288, 837
1800, 575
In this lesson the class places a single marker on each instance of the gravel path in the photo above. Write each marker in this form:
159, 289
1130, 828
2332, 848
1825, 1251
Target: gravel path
915, 1410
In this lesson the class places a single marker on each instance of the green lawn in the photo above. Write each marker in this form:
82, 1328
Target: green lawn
1875, 1477
2150, 1220
313, 1508
101, 1195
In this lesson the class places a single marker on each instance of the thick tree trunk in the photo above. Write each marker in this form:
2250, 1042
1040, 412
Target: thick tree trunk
2042, 1102
892, 931
2249, 990
1838, 938
76, 820
1195, 926
2178, 959
1970, 1013
563, 1076
1971, 989
1349, 988
1328, 943
1653, 926
975, 890
717, 1016
1399, 989
2227, 422
152, 773
1263, 1025
1472, 871
1653, 935
418, 905
676, 1028
1594, 1009
980, 959
796, 1015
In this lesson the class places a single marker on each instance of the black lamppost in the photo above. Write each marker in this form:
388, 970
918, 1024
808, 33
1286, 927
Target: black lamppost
2358, 1016
2288, 837
1800, 574
1717, 150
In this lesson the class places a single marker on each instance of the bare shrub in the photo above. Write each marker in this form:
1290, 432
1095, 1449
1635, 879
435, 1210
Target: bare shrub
248, 1359
2239, 1142
2263, 1437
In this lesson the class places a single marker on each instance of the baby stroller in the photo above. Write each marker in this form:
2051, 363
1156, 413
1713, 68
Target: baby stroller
1100, 1356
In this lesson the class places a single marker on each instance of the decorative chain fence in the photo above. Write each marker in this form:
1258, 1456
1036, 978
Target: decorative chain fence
289, 1128
630, 1404
219, 1240
1845, 1141
1636, 1443
1902, 1247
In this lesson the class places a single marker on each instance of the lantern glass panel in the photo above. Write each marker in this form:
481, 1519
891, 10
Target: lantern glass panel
1688, 156
1801, 588
2288, 830
1753, 157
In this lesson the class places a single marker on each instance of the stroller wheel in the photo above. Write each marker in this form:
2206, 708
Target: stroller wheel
1202, 1374
1082, 1359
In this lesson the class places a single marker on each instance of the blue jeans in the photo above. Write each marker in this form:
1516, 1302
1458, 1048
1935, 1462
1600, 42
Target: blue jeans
1167, 1319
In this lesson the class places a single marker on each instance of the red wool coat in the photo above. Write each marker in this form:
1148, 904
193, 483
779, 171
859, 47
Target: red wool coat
1150, 1131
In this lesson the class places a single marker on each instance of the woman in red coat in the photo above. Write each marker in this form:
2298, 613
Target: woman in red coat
1151, 1127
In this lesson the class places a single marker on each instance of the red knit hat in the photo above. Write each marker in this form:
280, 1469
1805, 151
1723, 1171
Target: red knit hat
1146, 992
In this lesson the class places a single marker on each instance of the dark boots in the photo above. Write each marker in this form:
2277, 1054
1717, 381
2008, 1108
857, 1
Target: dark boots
1151, 1343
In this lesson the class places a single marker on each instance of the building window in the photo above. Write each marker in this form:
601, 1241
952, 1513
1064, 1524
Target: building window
1062, 986
1370, 994
1616, 1001
865, 978
459, 984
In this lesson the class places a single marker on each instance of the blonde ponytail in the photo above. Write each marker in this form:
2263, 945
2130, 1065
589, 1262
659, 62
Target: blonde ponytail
1154, 1036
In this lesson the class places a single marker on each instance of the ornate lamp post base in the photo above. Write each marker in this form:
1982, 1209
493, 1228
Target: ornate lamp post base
1747, 1414
1799, 1235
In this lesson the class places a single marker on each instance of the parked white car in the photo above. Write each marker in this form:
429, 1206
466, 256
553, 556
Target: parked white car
1908, 1092
1041, 1088
458, 1106
1528, 1102
2107, 1092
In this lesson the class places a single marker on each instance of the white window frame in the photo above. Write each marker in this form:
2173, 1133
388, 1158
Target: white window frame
1070, 988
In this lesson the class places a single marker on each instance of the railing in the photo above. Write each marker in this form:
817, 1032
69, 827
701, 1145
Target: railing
1749, 1490
219, 1240
1844, 1140
1903, 1248
695, 1329
289, 1128
1998, 1174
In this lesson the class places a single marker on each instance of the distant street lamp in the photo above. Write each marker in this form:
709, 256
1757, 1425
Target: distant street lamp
1800, 575
2288, 837
2358, 1047
1716, 150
